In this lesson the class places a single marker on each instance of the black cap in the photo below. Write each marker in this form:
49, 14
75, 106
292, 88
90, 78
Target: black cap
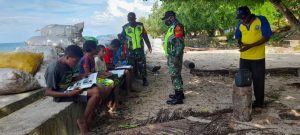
131, 15
242, 11
168, 14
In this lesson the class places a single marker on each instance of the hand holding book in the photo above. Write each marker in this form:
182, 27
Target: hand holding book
74, 92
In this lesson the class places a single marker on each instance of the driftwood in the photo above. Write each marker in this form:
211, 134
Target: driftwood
242, 103
223, 72
195, 49
231, 72
189, 64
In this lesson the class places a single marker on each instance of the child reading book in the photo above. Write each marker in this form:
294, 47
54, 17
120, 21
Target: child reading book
100, 67
109, 58
87, 63
87, 66
59, 77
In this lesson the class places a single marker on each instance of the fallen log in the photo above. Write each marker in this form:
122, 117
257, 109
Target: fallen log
222, 72
189, 64
272, 72
195, 49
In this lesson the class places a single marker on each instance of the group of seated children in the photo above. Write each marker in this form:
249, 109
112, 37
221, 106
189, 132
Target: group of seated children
94, 58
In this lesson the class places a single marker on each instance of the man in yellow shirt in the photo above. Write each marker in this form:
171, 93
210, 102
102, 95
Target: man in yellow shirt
252, 33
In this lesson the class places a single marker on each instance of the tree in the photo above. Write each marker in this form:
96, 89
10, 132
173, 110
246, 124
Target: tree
207, 16
287, 13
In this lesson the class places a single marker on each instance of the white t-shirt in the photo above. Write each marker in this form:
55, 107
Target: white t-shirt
100, 65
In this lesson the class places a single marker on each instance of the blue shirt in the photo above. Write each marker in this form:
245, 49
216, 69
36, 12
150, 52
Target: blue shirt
117, 55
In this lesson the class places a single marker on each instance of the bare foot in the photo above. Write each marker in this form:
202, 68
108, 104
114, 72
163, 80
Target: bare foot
113, 114
82, 126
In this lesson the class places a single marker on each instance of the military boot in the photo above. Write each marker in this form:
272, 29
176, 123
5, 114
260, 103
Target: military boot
173, 96
178, 98
145, 82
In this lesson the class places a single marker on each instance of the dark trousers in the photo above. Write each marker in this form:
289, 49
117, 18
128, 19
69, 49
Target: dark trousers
137, 59
257, 69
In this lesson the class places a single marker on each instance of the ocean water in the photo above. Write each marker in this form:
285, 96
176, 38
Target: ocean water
9, 47
106, 39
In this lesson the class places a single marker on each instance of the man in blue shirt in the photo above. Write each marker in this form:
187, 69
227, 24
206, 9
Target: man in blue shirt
252, 33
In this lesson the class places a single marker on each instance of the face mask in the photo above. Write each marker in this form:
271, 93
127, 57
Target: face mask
168, 22
131, 20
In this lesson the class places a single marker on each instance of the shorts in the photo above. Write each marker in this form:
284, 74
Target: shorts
106, 82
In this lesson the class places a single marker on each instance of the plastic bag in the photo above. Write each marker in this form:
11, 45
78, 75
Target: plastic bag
25, 61
15, 81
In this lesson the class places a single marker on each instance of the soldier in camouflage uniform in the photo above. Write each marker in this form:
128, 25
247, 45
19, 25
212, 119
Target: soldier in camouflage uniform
173, 47
134, 35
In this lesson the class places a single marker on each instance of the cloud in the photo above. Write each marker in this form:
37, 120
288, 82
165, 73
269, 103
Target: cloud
117, 7
117, 10
22, 18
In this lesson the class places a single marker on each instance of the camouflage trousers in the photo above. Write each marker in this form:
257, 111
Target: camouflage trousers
137, 59
175, 66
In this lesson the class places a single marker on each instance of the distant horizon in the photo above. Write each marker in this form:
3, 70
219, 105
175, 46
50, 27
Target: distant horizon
28, 38
12, 42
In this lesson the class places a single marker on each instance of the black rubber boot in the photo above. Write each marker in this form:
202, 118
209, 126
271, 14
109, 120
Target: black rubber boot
145, 82
255, 104
173, 96
178, 98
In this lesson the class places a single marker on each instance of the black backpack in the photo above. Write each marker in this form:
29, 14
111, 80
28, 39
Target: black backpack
243, 78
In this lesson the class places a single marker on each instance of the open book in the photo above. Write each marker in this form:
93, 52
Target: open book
86, 82
124, 67
119, 72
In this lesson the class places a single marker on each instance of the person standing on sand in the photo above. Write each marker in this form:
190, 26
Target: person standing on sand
134, 34
252, 33
173, 47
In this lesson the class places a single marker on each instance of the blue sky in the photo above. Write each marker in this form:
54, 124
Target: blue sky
21, 19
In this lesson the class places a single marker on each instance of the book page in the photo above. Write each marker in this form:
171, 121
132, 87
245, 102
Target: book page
85, 82
124, 67
120, 73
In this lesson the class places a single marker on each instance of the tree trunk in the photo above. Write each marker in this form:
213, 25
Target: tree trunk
287, 13
242, 103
